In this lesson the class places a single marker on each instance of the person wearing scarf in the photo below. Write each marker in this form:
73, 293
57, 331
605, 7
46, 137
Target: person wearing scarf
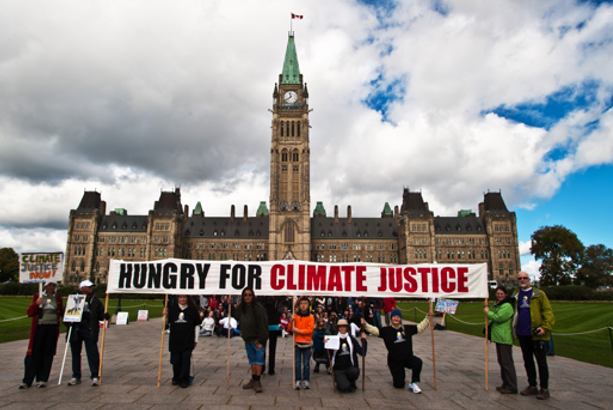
45, 310
345, 360
184, 322
399, 345
501, 316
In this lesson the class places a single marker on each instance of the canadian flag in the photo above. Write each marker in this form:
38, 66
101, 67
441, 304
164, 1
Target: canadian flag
296, 16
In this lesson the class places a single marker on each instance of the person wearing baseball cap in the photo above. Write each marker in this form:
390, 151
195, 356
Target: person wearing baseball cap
45, 311
86, 331
345, 362
399, 345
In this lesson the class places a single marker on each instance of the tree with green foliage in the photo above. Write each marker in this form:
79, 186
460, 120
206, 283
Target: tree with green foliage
561, 253
9, 265
596, 268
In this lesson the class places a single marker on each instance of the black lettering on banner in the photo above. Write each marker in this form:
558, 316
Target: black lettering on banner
187, 276
254, 273
238, 276
170, 281
140, 278
125, 276
223, 275
155, 276
203, 271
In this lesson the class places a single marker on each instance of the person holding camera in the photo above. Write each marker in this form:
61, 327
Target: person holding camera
532, 324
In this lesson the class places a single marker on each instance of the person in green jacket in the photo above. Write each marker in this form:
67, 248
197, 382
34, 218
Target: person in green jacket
501, 316
532, 324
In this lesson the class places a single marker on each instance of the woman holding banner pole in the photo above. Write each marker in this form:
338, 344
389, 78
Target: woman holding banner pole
45, 310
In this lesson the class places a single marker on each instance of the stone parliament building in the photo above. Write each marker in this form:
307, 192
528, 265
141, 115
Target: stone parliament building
285, 228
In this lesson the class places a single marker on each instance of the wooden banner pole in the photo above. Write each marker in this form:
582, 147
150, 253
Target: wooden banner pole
294, 343
229, 320
486, 351
432, 338
331, 370
106, 308
162, 344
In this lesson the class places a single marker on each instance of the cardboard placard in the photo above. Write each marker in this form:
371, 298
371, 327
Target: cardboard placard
75, 304
122, 318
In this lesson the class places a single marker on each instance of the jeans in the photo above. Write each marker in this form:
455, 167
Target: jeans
91, 348
303, 357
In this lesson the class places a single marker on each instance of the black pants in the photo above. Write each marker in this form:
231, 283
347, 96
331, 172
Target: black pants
507, 367
181, 363
272, 350
531, 349
91, 348
39, 363
345, 379
397, 369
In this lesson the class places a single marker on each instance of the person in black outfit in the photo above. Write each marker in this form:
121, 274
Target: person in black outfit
184, 322
86, 332
271, 304
399, 347
345, 360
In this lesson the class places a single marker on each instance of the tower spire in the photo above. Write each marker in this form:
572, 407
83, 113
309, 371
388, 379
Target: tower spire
291, 69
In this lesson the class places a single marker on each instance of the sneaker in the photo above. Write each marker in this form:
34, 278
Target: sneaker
297, 387
249, 384
74, 381
23, 386
530, 391
257, 386
543, 395
95, 381
306, 385
184, 385
414, 388
41, 385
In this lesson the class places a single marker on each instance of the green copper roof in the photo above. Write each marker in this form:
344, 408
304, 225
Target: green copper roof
464, 212
319, 209
291, 69
198, 209
262, 209
121, 211
387, 210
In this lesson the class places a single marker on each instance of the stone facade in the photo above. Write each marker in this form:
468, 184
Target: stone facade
409, 235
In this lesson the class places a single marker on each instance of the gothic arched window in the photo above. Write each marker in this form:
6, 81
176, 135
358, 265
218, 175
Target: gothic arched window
289, 233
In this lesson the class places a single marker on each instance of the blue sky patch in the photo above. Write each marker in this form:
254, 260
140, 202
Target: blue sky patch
556, 106
384, 93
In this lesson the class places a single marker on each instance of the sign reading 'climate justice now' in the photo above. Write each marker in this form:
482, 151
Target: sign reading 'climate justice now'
179, 276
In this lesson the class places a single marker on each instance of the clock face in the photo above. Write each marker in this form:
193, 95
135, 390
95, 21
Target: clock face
290, 97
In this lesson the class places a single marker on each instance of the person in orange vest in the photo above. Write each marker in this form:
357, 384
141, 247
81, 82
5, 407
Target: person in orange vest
302, 326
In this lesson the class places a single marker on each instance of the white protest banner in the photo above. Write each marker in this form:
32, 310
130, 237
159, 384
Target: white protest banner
74, 308
446, 306
188, 277
39, 267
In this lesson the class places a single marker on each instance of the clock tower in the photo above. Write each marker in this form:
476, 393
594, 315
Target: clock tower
290, 199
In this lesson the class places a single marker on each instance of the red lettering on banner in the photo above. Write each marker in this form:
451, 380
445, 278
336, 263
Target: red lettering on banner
411, 285
277, 283
383, 277
424, 278
316, 277
334, 284
462, 280
290, 278
434, 279
348, 270
447, 285
301, 277
395, 279
359, 279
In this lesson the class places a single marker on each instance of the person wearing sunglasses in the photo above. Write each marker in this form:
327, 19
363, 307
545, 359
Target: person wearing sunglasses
253, 324
532, 325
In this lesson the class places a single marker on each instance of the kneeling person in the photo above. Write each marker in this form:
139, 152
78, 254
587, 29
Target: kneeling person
345, 359
399, 347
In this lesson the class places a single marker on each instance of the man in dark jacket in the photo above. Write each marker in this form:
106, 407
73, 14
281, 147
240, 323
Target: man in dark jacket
87, 332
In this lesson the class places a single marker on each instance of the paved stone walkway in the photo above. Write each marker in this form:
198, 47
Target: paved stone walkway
131, 367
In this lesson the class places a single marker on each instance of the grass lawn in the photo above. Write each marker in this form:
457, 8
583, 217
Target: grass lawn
571, 317
15, 307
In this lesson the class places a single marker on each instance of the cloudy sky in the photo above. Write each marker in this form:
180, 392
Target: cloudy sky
450, 98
